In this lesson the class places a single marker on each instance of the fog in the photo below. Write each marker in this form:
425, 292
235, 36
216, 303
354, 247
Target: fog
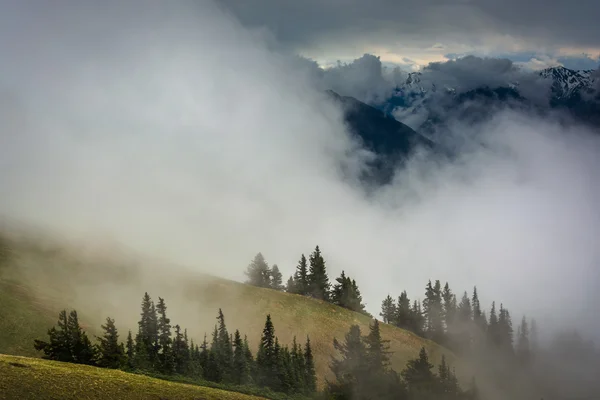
172, 130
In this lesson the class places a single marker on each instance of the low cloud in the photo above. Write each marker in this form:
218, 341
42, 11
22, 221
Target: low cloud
180, 134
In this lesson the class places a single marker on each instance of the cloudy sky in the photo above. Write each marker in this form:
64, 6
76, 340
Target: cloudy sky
172, 128
536, 32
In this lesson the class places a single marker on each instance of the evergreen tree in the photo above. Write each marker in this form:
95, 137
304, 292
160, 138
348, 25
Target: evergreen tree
388, 310
82, 350
346, 294
276, 278
290, 286
377, 349
350, 370
317, 278
130, 348
493, 330
224, 348
166, 360
523, 346
240, 373
249, 359
111, 354
418, 374
356, 303
146, 338
417, 319
434, 312
465, 312
505, 330
214, 370
266, 357
449, 306
68, 342
534, 339
258, 272
405, 317
310, 377
59, 346
153, 335
298, 367
478, 315
203, 358
301, 280
180, 352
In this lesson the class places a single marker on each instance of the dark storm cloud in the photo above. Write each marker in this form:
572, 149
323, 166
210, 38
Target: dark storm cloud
387, 22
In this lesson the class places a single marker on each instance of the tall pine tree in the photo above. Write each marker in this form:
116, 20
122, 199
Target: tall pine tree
111, 354
258, 272
317, 278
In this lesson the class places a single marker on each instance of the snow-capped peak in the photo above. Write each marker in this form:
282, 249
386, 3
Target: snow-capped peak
567, 82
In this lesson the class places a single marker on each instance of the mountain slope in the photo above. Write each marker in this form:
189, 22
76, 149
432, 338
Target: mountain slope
27, 378
45, 279
391, 140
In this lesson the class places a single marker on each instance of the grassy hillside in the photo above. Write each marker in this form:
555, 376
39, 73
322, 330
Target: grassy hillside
37, 280
28, 378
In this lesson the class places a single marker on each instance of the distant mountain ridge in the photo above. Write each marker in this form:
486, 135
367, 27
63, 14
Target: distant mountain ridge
391, 140
571, 91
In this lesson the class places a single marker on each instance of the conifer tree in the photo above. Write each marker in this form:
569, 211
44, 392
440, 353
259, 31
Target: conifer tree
82, 350
449, 306
290, 286
310, 377
130, 352
153, 331
266, 357
68, 342
417, 319
534, 339
346, 294
465, 312
59, 346
111, 354
317, 277
276, 278
388, 310
377, 349
147, 335
203, 358
418, 374
258, 272
301, 280
240, 373
180, 352
165, 357
224, 348
298, 367
433, 311
523, 346
214, 370
492, 333
405, 316
350, 370
478, 315
505, 330
249, 359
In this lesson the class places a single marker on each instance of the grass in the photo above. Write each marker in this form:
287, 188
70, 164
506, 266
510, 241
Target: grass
29, 378
38, 281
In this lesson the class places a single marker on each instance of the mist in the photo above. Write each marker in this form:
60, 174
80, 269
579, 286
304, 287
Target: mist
171, 129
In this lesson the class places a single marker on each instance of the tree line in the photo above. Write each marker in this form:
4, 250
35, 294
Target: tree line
363, 372
159, 348
310, 279
461, 326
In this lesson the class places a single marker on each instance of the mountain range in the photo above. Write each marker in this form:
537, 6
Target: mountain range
572, 95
